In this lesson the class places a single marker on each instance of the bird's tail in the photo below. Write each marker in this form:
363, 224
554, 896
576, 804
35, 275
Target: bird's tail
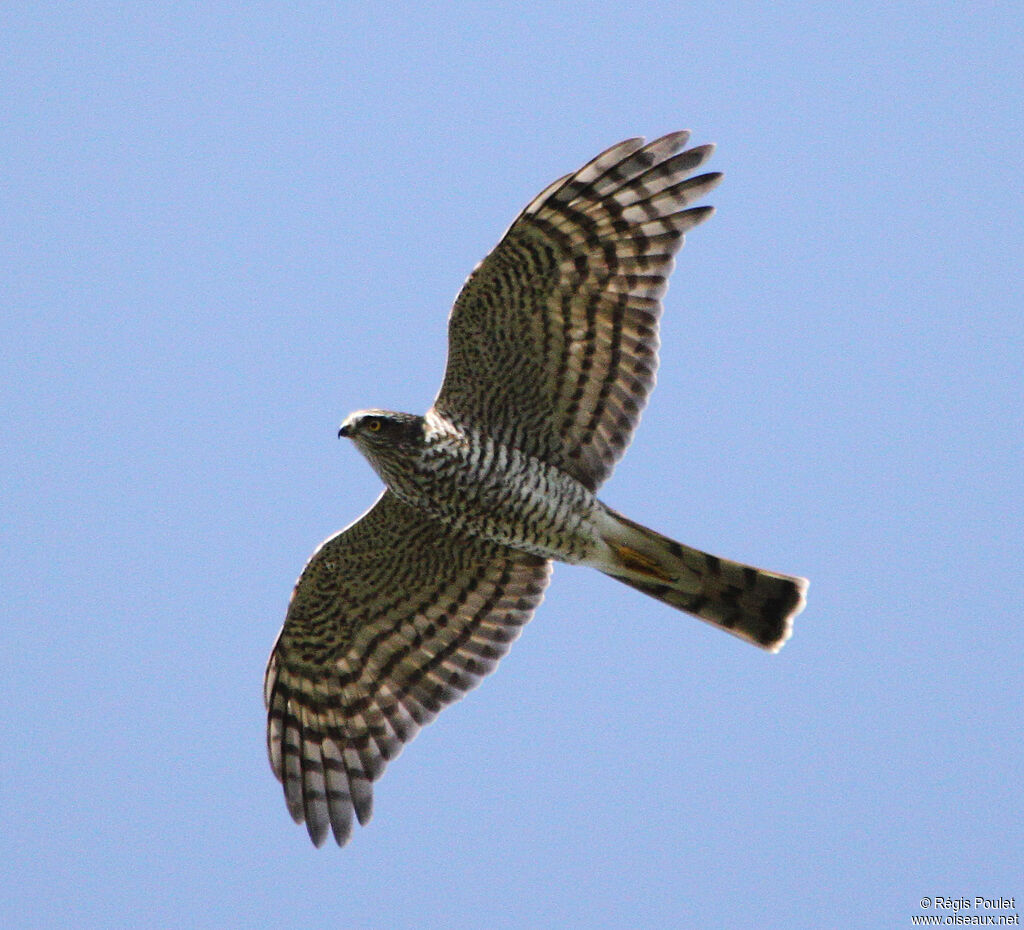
756, 605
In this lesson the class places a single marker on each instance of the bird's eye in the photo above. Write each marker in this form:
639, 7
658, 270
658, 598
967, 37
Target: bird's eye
373, 425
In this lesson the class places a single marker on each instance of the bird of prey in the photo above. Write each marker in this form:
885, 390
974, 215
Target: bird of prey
552, 351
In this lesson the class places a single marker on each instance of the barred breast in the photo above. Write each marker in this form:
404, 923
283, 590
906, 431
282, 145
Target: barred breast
481, 487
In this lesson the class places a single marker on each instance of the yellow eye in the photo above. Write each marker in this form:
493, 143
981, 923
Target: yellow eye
373, 425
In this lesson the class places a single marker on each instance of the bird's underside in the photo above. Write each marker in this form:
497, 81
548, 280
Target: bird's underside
552, 355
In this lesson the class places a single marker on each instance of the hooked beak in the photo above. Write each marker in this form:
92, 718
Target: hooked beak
344, 431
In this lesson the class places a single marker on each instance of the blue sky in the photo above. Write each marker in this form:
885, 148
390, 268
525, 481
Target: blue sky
223, 227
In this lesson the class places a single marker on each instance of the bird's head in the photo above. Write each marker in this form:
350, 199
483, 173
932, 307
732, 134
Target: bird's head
375, 432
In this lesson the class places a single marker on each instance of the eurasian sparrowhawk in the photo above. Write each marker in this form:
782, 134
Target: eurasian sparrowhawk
552, 354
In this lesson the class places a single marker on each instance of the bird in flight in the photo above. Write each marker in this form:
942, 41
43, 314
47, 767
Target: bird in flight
552, 352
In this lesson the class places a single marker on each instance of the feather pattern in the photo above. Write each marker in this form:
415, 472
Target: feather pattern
553, 340
392, 619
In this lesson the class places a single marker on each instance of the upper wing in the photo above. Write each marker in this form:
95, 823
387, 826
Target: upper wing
391, 620
552, 342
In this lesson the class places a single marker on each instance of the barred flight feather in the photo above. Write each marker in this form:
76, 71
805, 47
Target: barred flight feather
365, 660
557, 327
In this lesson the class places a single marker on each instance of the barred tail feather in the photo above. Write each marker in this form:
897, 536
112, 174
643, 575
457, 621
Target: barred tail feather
756, 605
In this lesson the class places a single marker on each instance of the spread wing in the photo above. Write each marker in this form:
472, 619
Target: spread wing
552, 342
391, 620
